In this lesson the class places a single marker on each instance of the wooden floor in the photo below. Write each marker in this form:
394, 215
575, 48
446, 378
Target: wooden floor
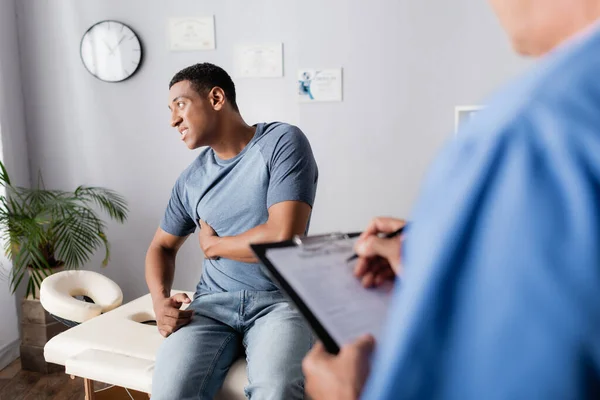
16, 384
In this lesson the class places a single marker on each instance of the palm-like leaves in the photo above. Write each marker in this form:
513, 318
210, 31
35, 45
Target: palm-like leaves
43, 228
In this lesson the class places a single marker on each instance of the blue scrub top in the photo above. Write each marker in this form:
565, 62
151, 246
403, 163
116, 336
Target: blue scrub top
501, 293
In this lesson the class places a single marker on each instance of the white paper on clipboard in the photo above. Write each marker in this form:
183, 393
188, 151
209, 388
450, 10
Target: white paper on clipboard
320, 275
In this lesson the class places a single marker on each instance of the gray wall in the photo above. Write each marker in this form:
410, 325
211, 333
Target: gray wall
406, 65
13, 153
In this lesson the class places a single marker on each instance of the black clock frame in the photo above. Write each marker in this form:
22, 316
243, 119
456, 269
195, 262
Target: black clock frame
117, 22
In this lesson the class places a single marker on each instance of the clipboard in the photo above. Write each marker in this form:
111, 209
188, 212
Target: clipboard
308, 245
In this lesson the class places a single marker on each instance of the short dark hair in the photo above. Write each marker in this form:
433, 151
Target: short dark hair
204, 77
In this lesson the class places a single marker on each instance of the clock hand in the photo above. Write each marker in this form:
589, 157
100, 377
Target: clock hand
107, 46
118, 43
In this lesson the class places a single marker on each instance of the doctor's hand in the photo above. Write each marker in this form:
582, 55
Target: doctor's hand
207, 237
379, 258
340, 376
169, 317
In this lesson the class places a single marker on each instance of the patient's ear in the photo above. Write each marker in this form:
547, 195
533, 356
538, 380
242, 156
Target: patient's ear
217, 98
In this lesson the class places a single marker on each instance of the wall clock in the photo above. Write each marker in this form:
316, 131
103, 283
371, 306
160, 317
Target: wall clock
111, 51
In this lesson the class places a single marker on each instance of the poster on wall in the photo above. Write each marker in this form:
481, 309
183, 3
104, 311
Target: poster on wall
259, 61
316, 85
462, 115
191, 33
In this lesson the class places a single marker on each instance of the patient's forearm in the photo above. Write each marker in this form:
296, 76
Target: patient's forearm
160, 271
238, 247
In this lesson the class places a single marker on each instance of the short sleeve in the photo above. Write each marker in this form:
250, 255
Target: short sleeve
177, 220
293, 170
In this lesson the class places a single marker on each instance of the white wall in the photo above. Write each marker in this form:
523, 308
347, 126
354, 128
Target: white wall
13, 153
406, 65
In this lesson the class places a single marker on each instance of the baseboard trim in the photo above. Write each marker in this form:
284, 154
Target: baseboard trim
9, 352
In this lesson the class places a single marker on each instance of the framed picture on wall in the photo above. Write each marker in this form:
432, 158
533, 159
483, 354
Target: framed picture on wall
463, 114
259, 61
317, 85
191, 33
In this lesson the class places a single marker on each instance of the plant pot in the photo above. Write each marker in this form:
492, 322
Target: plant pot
37, 327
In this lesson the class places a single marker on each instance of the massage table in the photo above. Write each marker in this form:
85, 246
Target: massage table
113, 343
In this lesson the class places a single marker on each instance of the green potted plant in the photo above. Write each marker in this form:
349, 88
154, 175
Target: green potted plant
44, 231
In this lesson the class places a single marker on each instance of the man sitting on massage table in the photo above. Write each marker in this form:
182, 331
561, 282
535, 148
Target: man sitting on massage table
251, 184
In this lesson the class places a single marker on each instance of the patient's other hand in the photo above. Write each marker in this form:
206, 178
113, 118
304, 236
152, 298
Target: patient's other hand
169, 317
379, 258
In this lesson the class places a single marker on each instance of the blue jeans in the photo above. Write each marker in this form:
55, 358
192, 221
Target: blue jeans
193, 362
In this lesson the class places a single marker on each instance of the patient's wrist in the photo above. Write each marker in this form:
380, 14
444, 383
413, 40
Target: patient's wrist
212, 247
160, 297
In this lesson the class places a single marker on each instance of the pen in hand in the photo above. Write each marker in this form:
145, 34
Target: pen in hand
386, 236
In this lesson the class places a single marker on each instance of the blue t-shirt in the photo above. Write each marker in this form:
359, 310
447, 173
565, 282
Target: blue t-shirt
501, 295
234, 195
